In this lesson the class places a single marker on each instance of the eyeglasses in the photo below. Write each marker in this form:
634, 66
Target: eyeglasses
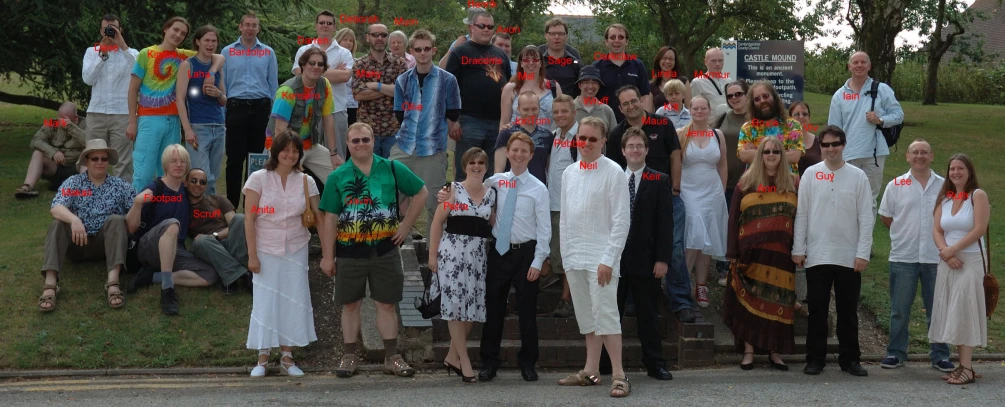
631, 147
758, 99
422, 49
668, 58
530, 60
734, 95
96, 159
590, 139
326, 23
831, 144
556, 33
198, 181
364, 140
381, 35
485, 26
316, 63
775, 152
617, 37
630, 102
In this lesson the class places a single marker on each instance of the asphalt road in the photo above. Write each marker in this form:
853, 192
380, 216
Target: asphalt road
914, 385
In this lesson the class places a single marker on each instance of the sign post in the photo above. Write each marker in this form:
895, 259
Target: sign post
779, 62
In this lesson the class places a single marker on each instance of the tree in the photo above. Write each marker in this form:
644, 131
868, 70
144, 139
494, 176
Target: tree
938, 46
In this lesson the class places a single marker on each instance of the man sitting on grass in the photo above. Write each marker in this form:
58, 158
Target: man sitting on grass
57, 146
217, 232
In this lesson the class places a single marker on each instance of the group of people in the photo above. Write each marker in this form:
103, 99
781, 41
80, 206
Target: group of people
545, 148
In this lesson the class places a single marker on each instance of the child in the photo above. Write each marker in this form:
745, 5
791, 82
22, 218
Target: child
674, 109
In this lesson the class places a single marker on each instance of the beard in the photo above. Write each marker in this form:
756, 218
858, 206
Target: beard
771, 113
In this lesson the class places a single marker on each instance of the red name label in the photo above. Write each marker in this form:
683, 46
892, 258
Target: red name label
249, 52
532, 120
649, 121
593, 100
957, 195
198, 74
901, 181
55, 123
825, 177
701, 133
650, 177
671, 106
312, 40
342, 18
481, 61
357, 201
367, 74
569, 143
409, 106
811, 127
402, 21
590, 166
560, 61
508, 30
301, 96
768, 188
711, 75
600, 56
161, 198
757, 122
664, 74
525, 76
507, 184
455, 207
850, 96
105, 48
205, 214
482, 4
75, 192
262, 210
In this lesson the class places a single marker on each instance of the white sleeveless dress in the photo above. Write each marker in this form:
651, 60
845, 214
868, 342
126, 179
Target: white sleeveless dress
704, 201
958, 313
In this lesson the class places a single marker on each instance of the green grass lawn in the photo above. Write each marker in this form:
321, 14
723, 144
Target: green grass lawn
84, 333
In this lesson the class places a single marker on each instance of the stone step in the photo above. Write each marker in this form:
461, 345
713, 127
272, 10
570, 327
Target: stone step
547, 327
555, 353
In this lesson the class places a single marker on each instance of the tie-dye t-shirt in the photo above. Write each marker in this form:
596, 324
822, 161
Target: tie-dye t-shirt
286, 100
790, 133
158, 69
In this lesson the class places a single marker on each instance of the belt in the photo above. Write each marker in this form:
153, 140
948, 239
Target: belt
248, 102
530, 243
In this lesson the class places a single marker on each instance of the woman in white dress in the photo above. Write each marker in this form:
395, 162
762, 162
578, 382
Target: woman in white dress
281, 313
459, 257
958, 313
702, 185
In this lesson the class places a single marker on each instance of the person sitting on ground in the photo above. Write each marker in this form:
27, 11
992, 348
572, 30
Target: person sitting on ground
217, 232
56, 146
88, 210
159, 221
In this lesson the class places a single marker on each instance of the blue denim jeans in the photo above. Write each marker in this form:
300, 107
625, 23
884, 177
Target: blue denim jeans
382, 145
677, 279
212, 143
904, 279
479, 133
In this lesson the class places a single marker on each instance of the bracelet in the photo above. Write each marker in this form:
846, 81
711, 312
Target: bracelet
332, 154
378, 86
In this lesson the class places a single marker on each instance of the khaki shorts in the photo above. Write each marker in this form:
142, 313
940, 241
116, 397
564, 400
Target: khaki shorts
555, 256
383, 273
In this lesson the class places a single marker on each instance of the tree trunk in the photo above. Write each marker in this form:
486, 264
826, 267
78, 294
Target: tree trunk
877, 34
937, 47
932, 79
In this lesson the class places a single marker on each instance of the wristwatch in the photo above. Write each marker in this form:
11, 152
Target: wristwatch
216, 235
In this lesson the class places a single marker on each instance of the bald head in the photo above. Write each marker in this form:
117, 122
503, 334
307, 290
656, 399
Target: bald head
713, 60
68, 110
860, 55
859, 65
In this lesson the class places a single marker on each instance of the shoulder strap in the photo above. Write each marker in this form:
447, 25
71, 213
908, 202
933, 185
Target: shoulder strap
722, 119
873, 90
987, 237
554, 91
394, 174
307, 196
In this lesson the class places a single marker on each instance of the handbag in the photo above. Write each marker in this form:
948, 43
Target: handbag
427, 305
307, 218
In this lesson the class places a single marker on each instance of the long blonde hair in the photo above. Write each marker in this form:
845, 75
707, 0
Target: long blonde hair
756, 175
685, 134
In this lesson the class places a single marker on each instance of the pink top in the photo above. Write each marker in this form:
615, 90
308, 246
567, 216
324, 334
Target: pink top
278, 230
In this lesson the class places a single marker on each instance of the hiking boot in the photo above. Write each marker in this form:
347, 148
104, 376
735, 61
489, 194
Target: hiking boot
347, 366
395, 365
169, 302
564, 309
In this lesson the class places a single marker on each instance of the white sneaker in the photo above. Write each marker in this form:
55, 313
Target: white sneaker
722, 282
260, 370
291, 370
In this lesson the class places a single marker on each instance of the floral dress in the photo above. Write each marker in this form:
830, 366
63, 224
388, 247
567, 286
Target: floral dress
462, 261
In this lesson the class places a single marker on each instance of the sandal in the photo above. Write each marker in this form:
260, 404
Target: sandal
48, 299
113, 296
620, 387
960, 376
25, 191
952, 374
580, 378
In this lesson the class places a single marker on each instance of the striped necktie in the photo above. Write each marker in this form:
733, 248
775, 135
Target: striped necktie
505, 221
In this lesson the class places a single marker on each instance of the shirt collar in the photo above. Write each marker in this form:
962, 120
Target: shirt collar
932, 176
865, 86
258, 43
638, 174
571, 133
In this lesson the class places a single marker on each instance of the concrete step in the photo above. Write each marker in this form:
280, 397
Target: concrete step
555, 353
547, 327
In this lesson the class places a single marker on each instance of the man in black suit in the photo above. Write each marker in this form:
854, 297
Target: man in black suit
648, 249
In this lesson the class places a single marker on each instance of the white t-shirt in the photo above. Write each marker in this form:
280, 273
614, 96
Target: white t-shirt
834, 218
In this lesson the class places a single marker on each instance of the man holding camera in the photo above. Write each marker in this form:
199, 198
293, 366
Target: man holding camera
107, 65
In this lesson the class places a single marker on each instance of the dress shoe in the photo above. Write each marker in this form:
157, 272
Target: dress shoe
685, 315
660, 373
529, 374
487, 374
813, 369
855, 369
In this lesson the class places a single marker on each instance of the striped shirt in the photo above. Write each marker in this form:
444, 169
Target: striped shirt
424, 130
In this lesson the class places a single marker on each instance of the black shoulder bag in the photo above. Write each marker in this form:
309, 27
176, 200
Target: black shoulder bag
891, 134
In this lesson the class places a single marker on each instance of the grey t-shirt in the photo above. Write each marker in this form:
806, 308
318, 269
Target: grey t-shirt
560, 158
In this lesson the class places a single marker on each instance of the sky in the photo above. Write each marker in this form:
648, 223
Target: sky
843, 39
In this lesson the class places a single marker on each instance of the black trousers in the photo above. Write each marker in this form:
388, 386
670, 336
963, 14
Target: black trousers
847, 288
645, 291
246, 123
505, 271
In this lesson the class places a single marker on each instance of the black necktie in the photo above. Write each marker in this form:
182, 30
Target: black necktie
631, 192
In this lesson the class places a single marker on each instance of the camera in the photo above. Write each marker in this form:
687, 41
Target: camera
109, 32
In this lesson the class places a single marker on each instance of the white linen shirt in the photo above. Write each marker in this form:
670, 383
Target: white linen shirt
911, 206
713, 89
531, 219
109, 80
336, 55
594, 206
834, 217
561, 157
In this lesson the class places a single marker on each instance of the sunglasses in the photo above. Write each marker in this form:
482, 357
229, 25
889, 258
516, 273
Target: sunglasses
530, 60
617, 37
775, 152
734, 95
831, 144
590, 139
485, 26
96, 159
381, 35
364, 140
198, 181
326, 23
316, 63
766, 98
422, 49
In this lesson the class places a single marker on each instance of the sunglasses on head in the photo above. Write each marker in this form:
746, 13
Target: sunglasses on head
96, 159
775, 152
364, 140
590, 139
198, 181
485, 26
831, 144
422, 49
381, 35
734, 95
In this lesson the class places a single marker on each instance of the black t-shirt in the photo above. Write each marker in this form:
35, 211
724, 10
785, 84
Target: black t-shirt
481, 72
632, 72
662, 142
564, 70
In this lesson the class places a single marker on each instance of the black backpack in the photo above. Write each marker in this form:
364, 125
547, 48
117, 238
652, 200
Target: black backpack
891, 134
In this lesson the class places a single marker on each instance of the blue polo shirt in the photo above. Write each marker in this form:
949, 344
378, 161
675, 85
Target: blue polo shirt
631, 72
250, 74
